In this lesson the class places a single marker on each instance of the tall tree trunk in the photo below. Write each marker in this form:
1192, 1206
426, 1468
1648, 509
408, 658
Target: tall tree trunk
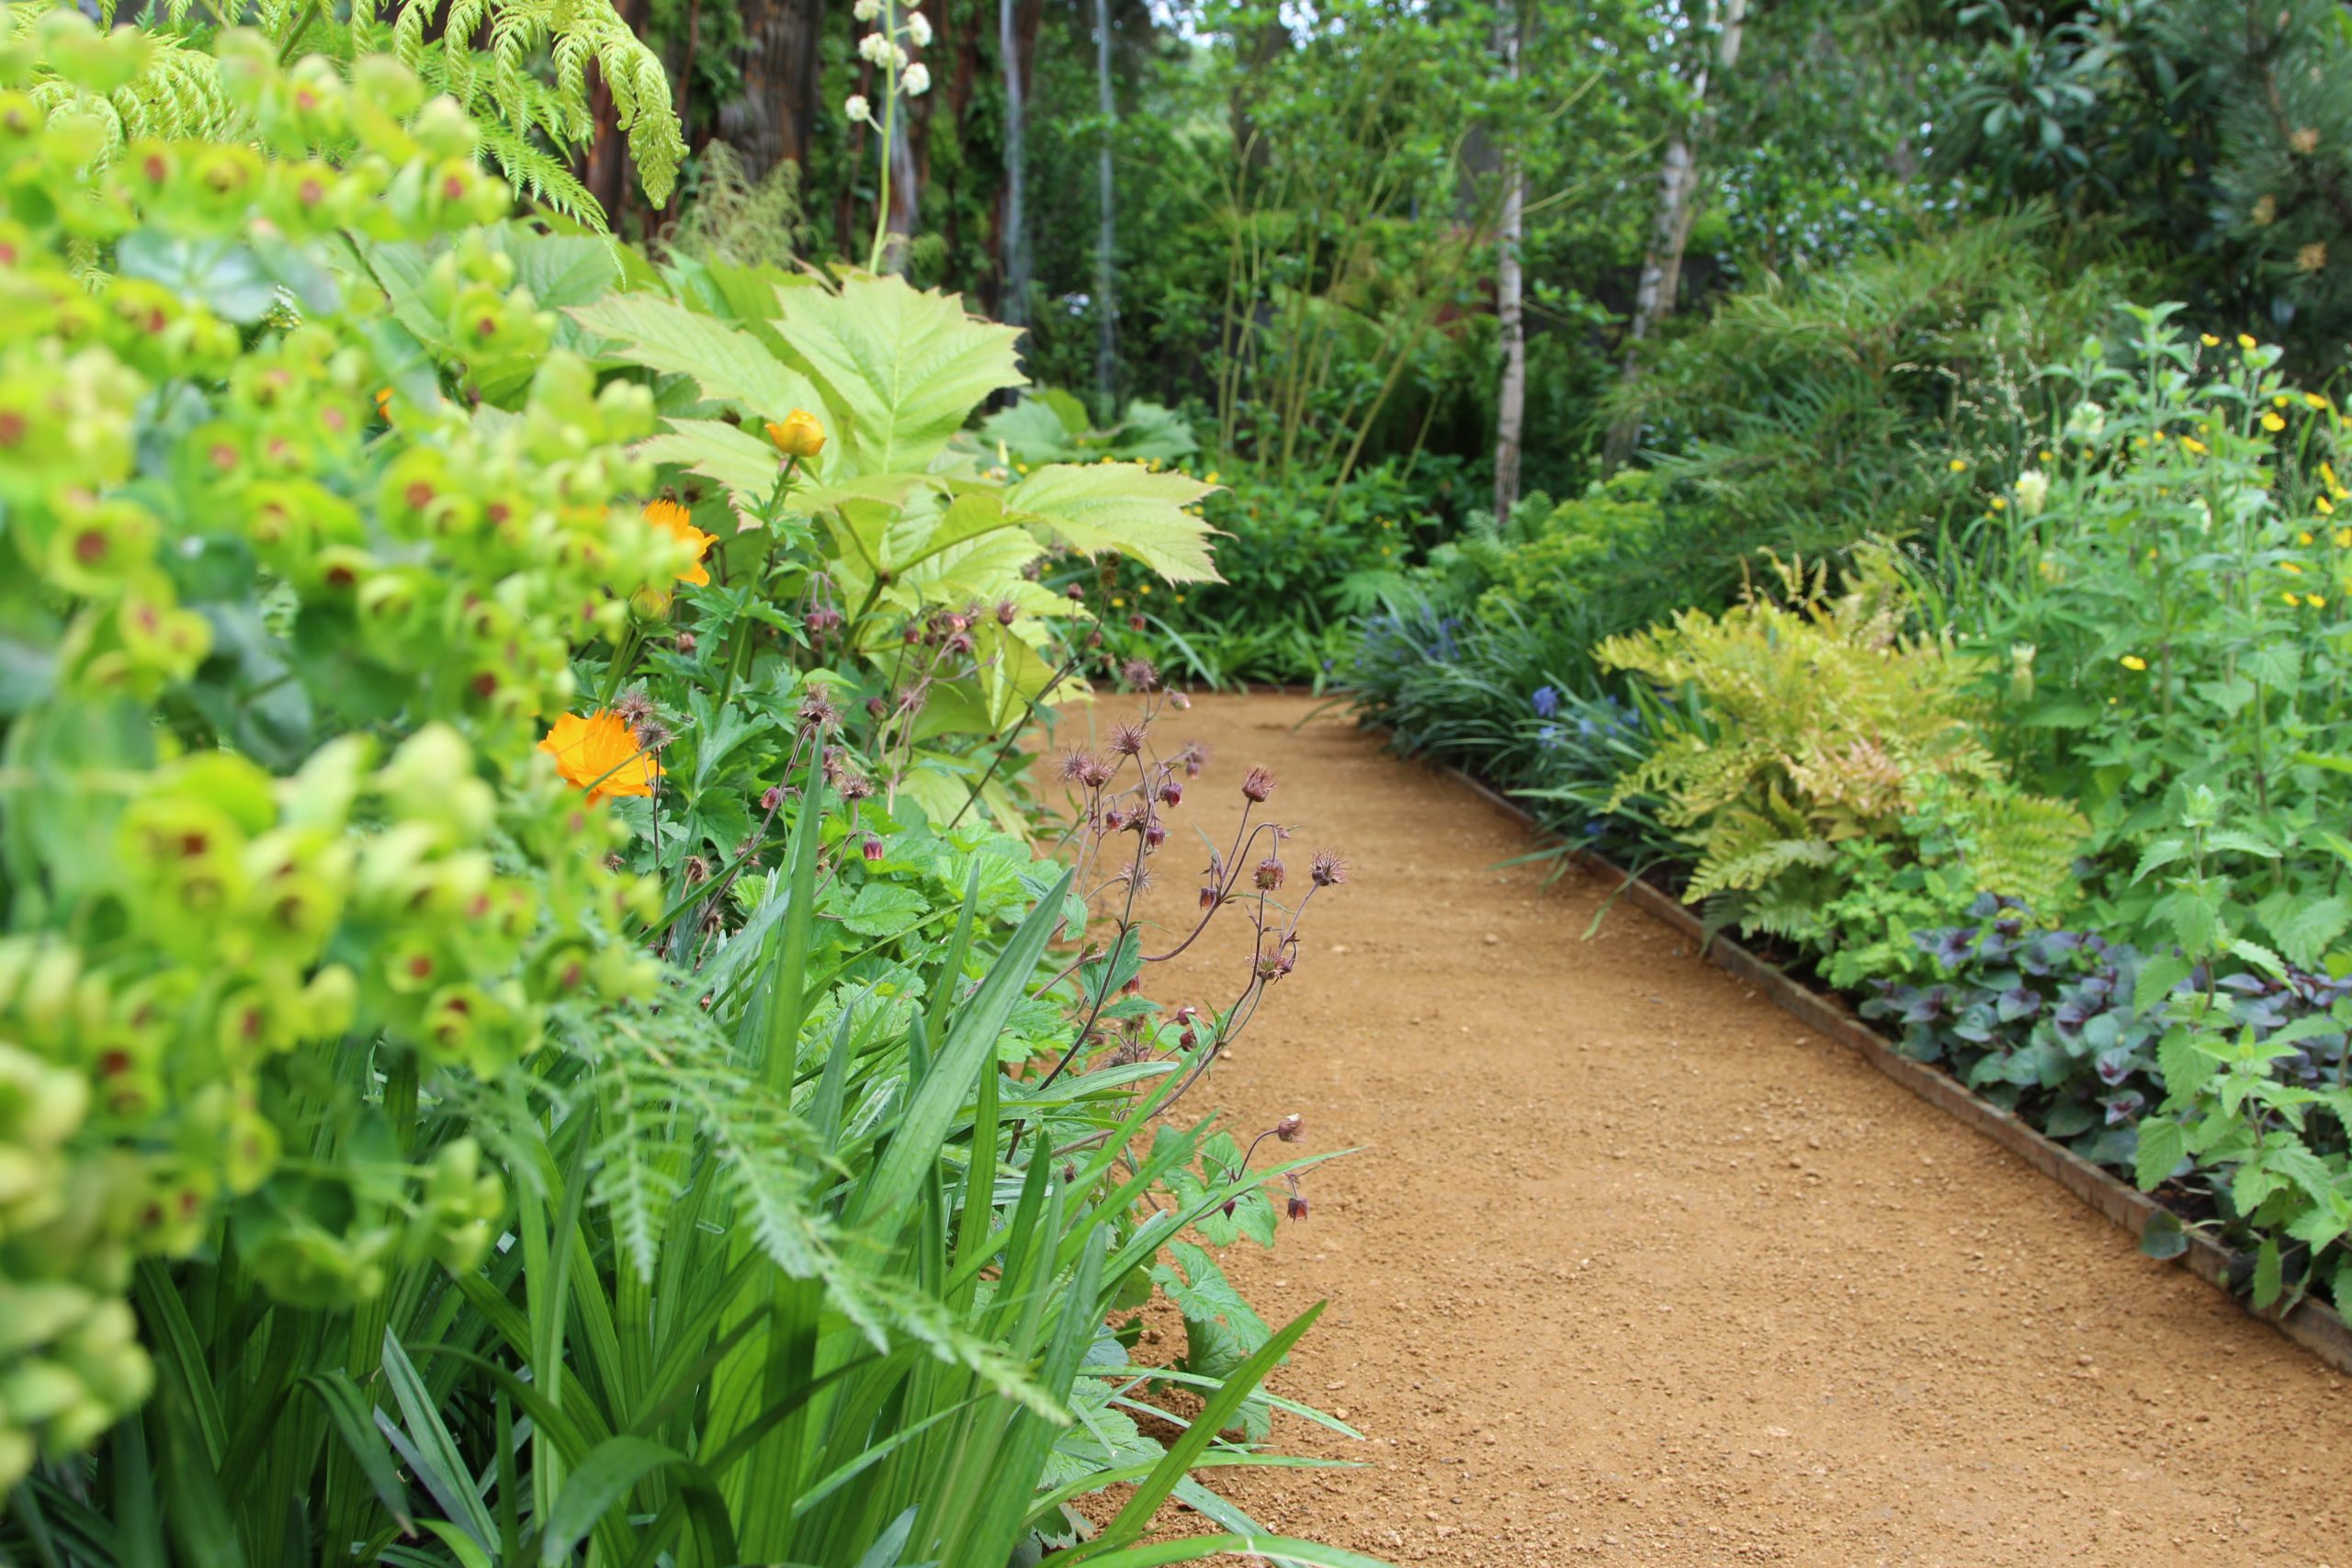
771, 121
1510, 397
1678, 185
1015, 236
604, 170
1106, 303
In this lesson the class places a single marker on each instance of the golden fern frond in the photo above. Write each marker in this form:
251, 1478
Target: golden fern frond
2024, 845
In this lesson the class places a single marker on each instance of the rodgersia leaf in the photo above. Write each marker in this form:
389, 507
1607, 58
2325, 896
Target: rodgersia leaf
1123, 507
906, 367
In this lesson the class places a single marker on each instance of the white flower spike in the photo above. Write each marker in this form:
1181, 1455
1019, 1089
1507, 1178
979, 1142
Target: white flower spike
875, 48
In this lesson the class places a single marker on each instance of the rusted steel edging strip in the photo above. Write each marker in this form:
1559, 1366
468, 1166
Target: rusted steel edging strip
2311, 1323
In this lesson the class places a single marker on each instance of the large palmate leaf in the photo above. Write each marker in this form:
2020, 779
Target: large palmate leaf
1098, 507
907, 366
741, 463
730, 365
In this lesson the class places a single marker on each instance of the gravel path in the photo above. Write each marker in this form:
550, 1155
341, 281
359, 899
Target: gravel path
1632, 1268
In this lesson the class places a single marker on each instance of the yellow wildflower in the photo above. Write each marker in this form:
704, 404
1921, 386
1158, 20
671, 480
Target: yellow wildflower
2304, 537
2190, 443
2133, 662
1999, 505
600, 754
2278, 400
1958, 465
2291, 568
2208, 340
2273, 423
1143, 589
678, 522
2314, 400
2291, 600
2316, 601
2323, 507
2245, 340
797, 435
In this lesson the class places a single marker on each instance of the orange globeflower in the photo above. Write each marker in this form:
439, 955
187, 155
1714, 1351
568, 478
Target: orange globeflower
799, 435
600, 754
678, 522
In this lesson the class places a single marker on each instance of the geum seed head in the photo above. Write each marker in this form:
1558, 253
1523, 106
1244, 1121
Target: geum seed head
1256, 785
1328, 869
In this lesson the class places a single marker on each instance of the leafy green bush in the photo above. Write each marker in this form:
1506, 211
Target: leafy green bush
504, 1024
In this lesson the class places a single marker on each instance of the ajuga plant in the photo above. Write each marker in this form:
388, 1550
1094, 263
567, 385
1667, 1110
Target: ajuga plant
1819, 718
518, 68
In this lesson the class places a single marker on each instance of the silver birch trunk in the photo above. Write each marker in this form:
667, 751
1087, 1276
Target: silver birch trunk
1510, 397
1015, 304
1677, 193
1106, 303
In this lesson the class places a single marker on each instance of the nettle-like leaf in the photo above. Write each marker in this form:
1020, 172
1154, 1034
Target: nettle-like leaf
905, 367
1102, 507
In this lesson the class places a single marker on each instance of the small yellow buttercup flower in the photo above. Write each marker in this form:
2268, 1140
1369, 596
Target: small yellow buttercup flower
2273, 423
2313, 399
2316, 601
2133, 662
2279, 399
2344, 539
2245, 340
1999, 505
1958, 465
2323, 507
2291, 600
2049, 457
2304, 537
2191, 444
797, 435
2290, 568
2208, 340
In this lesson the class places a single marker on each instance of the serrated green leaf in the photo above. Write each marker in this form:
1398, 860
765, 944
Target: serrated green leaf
730, 365
742, 464
1123, 507
2268, 1280
907, 365
2162, 1145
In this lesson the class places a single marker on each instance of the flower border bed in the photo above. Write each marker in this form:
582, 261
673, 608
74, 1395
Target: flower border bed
2311, 1323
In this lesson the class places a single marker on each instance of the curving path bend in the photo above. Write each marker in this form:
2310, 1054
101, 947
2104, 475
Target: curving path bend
1634, 1269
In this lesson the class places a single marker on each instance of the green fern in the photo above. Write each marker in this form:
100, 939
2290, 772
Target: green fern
1822, 722
497, 83
176, 94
